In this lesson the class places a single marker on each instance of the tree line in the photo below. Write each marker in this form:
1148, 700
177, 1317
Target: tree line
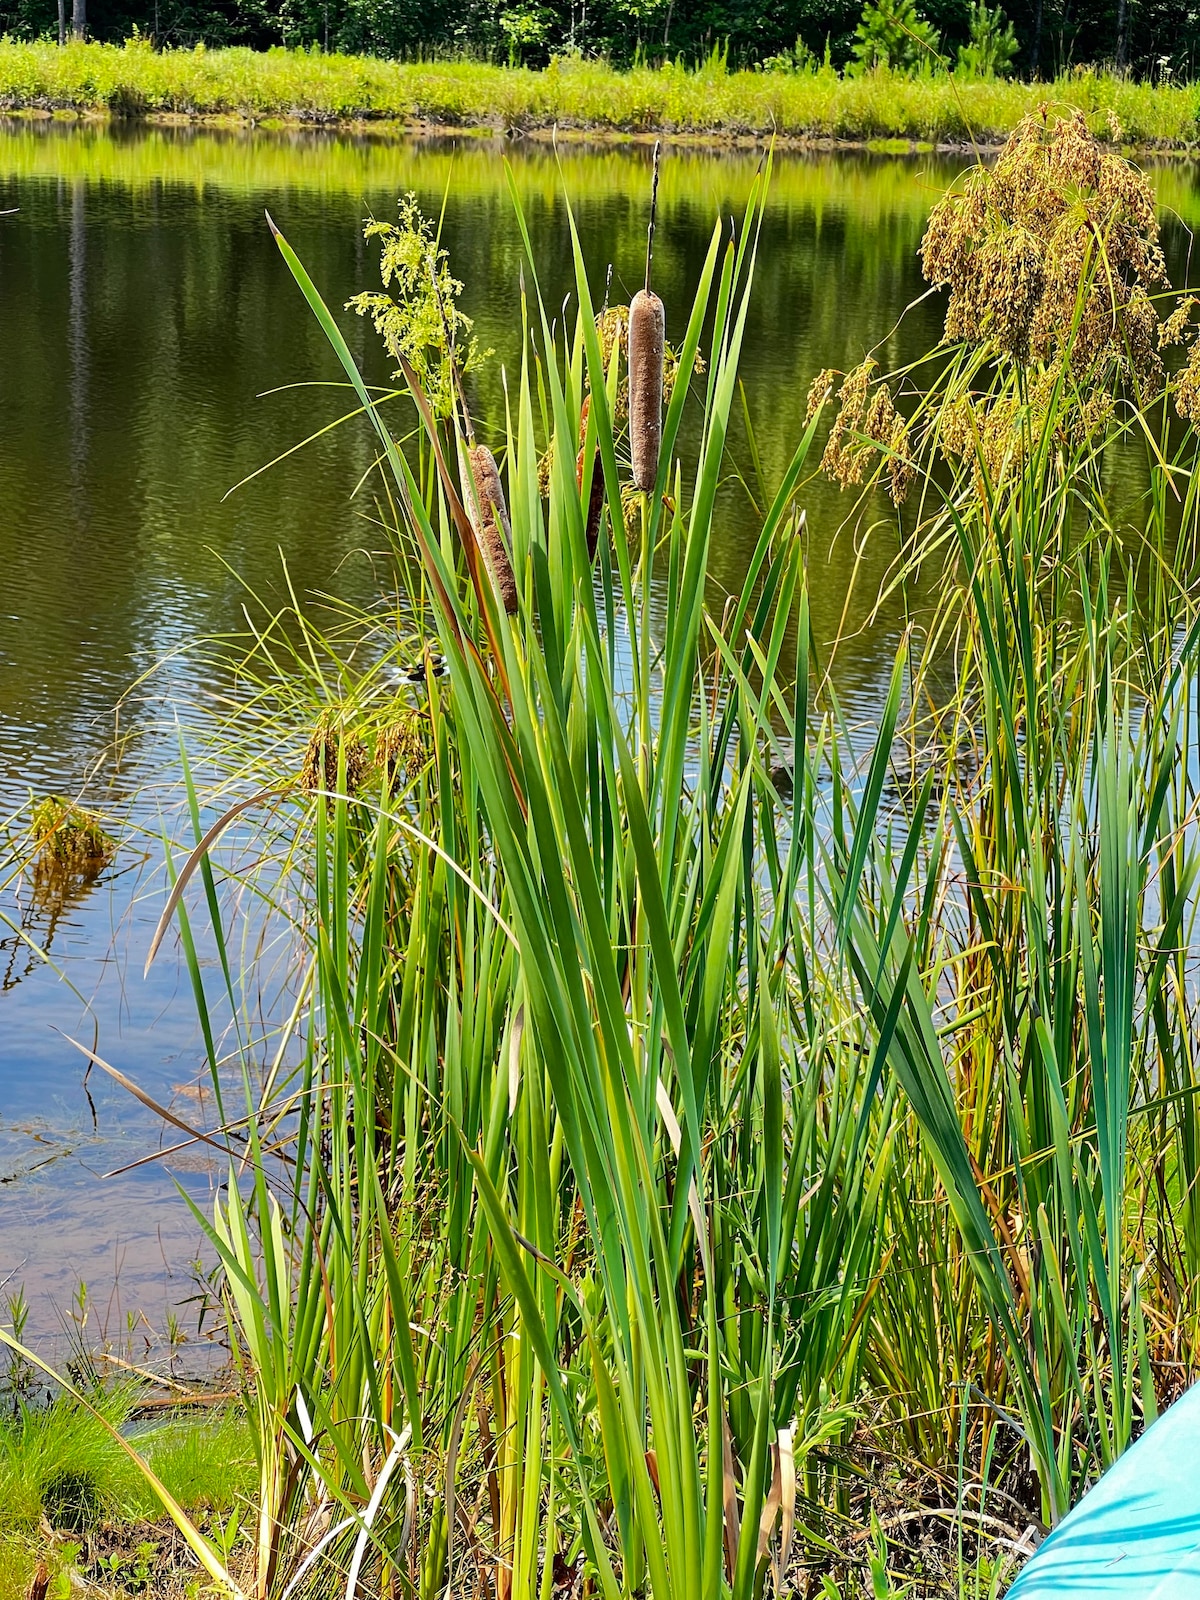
1032, 38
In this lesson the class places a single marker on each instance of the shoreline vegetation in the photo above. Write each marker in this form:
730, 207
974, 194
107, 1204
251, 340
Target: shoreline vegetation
707, 103
699, 1157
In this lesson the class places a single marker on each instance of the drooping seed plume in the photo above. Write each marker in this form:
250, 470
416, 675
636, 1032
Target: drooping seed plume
647, 329
596, 497
489, 518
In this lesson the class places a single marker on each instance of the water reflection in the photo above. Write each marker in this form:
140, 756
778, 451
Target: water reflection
46, 895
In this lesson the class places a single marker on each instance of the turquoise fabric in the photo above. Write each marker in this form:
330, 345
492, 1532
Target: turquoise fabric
1136, 1535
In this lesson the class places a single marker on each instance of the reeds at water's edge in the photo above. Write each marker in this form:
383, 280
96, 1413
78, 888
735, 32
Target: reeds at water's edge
652, 1146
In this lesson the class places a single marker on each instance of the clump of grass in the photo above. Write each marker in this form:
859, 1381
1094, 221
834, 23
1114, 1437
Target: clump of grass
60, 1462
205, 1461
61, 1466
70, 838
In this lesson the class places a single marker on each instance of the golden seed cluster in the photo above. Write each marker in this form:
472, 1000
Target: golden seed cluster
319, 769
400, 746
1053, 252
1051, 259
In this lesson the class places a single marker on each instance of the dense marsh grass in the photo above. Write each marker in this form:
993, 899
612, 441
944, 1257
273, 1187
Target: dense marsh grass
133, 80
676, 1107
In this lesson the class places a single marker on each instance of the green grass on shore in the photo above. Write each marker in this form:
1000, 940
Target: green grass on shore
61, 1469
133, 80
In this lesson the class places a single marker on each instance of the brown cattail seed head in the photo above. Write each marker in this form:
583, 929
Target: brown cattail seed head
596, 497
489, 518
647, 323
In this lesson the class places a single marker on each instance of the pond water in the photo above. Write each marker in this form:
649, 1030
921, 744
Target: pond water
144, 315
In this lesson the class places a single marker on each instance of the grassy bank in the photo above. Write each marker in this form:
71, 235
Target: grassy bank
73, 1503
135, 81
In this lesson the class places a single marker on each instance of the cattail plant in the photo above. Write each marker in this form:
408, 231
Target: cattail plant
425, 332
573, 1228
647, 328
489, 517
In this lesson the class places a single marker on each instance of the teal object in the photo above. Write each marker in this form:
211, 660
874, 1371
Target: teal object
1136, 1535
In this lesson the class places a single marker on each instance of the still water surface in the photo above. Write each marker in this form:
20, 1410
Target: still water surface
144, 315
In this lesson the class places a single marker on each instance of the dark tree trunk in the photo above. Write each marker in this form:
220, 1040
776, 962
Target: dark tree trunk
1036, 52
62, 22
1122, 35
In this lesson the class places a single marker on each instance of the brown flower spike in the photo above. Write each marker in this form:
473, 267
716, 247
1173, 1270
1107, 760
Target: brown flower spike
647, 328
489, 517
596, 496
647, 340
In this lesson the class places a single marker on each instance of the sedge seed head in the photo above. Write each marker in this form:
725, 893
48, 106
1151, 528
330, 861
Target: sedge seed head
319, 768
1053, 254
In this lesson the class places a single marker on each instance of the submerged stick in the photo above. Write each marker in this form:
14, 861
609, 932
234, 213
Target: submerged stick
489, 516
647, 332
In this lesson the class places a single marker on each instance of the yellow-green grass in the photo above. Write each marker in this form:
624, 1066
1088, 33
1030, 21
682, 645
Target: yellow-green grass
60, 1464
133, 80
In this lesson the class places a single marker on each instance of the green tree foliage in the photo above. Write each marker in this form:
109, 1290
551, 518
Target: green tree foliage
893, 34
992, 45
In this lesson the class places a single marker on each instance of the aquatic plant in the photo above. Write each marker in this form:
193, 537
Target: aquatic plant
333, 749
68, 837
1052, 264
1036, 1045
417, 314
548, 1054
